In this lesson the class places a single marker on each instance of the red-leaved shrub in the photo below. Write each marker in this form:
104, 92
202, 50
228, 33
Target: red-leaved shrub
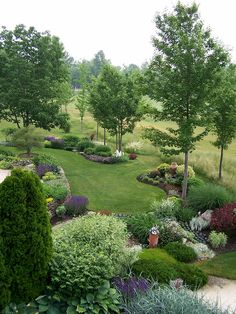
132, 156
224, 218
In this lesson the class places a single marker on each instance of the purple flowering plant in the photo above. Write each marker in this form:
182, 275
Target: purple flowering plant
76, 205
132, 286
41, 169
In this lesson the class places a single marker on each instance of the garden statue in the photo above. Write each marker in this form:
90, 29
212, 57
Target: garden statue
119, 153
173, 168
153, 237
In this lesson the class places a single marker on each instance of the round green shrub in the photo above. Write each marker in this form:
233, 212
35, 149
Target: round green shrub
89, 150
102, 148
104, 154
87, 251
61, 211
157, 264
181, 252
208, 196
194, 181
163, 169
84, 143
192, 275
180, 171
25, 231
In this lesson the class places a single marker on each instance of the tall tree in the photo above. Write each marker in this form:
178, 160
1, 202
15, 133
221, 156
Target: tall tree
183, 69
115, 102
32, 69
223, 101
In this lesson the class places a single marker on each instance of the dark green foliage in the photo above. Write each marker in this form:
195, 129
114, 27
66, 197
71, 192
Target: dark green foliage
102, 148
25, 233
185, 214
103, 154
5, 279
194, 181
208, 196
44, 159
6, 153
181, 252
70, 141
26, 138
167, 235
157, 264
192, 276
139, 225
84, 143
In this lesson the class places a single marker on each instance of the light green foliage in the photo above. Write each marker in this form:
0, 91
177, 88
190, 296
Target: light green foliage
163, 168
87, 251
133, 147
165, 208
208, 196
180, 171
26, 138
49, 176
217, 239
8, 132
61, 211
198, 223
202, 250
181, 74
44, 159
32, 73
55, 189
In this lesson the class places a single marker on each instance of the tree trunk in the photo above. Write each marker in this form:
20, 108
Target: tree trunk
221, 162
81, 124
97, 133
28, 151
185, 181
104, 136
116, 140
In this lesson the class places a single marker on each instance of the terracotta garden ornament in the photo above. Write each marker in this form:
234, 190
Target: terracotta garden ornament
153, 237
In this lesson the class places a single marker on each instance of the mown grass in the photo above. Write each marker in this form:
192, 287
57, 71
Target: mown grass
222, 265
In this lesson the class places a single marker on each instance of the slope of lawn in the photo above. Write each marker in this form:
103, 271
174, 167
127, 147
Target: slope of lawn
111, 187
223, 265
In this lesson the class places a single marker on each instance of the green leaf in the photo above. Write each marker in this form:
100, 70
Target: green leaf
43, 308
80, 309
71, 310
90, 297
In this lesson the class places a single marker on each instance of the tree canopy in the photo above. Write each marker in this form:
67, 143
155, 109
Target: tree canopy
183, 69
32, 74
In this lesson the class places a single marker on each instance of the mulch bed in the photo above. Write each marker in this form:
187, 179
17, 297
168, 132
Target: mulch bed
25, 155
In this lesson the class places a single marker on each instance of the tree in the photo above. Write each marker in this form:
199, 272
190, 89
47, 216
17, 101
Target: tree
32, 71
223, 100
183, 71
114, 102
25, 236
26, 138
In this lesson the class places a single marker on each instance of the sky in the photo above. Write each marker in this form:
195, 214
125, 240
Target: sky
121, 28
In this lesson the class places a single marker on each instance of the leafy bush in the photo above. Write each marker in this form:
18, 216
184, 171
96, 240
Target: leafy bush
55, 189
70, 141
163, 169
61, 211
103, 154
224, 218
6, 153
26, 138
180, 171
165, 208
202, 250
217, 239
123, 158
208, 196
84, 143
45, 160
159, 265
140, 224
102, 148
76, 205
166, 300
184, 214
194, 181
181, 252
49, 176
89, 150
87, 251
26, 245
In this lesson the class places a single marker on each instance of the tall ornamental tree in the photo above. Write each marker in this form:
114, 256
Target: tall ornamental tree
114, 102
25, 238
32, 70
183, 69
223, 100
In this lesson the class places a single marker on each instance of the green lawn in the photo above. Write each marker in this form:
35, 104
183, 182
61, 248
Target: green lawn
223, 265
112, 187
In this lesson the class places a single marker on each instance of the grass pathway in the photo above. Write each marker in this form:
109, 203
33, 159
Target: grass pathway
111, 187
